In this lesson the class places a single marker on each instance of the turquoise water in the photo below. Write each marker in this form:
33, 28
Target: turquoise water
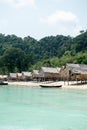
23, 108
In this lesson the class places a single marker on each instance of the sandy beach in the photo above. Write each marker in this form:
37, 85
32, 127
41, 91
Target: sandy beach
72, 85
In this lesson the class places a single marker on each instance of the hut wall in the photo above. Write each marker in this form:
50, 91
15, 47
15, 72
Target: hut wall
52, 75
82, 77
65, 74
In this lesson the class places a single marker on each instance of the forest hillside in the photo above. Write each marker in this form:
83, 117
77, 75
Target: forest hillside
24, 54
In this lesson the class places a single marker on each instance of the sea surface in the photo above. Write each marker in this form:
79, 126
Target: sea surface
27, 108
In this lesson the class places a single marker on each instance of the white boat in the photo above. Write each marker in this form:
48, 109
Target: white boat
50, 86
3, 83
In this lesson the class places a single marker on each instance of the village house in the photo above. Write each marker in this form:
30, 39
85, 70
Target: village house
36, 75
49, 73
12, 76
75, 72
1, 77
19, 76
26, 76
4, 77
82, 76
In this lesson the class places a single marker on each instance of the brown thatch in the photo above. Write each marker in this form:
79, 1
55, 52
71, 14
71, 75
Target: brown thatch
74, 72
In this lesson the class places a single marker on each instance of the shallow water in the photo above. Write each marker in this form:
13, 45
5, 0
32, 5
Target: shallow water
23, 108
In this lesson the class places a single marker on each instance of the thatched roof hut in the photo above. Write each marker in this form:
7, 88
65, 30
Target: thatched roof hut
26, 75
13, 76
49, 73
5, 77
74, 71
35, 75
19, 76
1, 77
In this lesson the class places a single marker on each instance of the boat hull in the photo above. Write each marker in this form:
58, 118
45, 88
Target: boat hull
2, 83
50, 86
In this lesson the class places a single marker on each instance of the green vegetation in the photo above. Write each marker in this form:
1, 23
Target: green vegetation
17, 54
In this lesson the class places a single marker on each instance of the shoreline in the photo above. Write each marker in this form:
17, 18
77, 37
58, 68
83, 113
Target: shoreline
72, 85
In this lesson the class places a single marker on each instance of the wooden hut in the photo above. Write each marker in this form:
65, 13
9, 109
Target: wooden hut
74, 72
1, 77
49, 73
13, 76
26, 76
19, 76
36, 75
5, 77
82, 76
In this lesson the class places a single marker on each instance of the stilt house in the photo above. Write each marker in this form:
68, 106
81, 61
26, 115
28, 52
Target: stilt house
26, 76
74, 72
13, 76
36, 75
49, 73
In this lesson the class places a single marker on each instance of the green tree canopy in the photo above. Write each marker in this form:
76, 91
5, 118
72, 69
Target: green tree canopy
14, 59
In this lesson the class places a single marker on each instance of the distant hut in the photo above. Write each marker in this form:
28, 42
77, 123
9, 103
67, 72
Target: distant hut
49, 73
74, 72
13, 76
63, 73
82, 76
5, 77
26, 76
36, 75
19, 76
1, 77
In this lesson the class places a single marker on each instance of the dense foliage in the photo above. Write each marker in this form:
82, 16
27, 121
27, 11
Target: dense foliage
22, 54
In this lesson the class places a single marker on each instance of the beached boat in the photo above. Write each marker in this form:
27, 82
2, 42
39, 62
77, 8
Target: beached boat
3, 83
50, 86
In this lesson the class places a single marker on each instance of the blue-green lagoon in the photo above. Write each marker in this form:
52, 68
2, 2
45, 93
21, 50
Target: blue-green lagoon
27, 108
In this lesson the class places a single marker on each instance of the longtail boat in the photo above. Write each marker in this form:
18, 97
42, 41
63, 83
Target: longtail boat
3, 83
50, 86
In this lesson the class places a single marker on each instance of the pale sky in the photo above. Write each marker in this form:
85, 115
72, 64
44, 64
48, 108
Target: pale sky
40, 18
